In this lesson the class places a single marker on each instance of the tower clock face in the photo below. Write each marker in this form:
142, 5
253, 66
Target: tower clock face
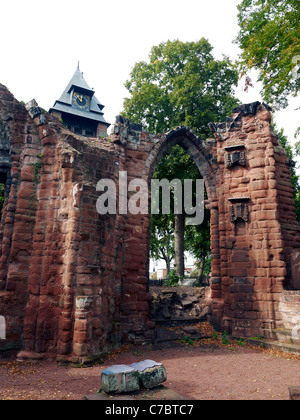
81, 101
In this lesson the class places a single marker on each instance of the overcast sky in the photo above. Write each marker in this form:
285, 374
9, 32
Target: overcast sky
41, 43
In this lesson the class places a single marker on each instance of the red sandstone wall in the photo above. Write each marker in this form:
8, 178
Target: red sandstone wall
59, 290
74, 283
253, 269
251, 252
287, 217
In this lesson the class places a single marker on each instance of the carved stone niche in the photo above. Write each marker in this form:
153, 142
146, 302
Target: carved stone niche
236, 155
239, 209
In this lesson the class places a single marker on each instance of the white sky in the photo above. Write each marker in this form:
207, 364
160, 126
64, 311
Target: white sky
41, 43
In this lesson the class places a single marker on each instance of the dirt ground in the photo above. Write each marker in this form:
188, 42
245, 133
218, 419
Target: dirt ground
204, 369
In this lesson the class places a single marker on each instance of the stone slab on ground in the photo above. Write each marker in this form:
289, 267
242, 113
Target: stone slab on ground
294, 393
151, 373
120, 378
161, 393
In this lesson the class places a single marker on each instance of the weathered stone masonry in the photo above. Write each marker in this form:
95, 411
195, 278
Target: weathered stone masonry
74, 283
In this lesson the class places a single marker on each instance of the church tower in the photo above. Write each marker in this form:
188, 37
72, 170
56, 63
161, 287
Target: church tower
79, 108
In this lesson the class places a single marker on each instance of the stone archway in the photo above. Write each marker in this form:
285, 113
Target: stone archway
135, 277
203, 155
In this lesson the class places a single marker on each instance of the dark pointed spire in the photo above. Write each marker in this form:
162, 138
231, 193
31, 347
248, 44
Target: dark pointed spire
64, 103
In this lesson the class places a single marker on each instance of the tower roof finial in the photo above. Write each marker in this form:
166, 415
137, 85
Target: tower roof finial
78, 69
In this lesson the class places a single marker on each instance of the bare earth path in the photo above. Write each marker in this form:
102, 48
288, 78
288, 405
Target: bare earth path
206, 371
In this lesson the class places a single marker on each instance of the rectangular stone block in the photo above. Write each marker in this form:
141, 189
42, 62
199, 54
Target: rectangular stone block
119, 379
151, 374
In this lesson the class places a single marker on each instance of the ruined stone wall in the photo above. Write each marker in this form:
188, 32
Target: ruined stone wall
16, 151
253, 271
74, 283
253, 221
57, 258
141, 154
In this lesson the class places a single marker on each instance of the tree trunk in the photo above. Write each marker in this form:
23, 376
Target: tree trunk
201, 268
179, 244
167, 259
168, 264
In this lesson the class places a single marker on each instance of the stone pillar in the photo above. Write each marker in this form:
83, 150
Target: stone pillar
252, 246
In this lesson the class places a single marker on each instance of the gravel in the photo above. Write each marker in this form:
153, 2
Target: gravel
199, 370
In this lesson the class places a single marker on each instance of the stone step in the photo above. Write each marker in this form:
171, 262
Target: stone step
284, 335
151, 374
161, 393
276, 345
291, 296
120, 379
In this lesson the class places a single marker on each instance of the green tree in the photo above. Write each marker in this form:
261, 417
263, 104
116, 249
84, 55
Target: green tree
197, 242
176, 164
161, 239
182, 84
269, 38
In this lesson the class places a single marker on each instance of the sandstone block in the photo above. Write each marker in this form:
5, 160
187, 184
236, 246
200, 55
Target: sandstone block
151, 374
31, 104
119, 379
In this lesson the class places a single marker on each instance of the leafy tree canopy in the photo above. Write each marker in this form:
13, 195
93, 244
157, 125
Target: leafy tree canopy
269, 38
182, 84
